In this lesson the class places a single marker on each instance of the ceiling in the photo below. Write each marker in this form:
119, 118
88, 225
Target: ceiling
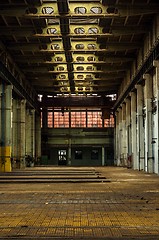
75, 47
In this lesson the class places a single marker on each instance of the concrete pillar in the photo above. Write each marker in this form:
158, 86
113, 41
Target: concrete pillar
149, 161
135, 161
103, 156
116, 133
6, 124
119, 138
22, 133
118, 142
44, 114
140, 128
155, 130
15, 131
37, 138
128, 132
19, 136
69, 151
30, 134
28, 141
33, 133
123, 138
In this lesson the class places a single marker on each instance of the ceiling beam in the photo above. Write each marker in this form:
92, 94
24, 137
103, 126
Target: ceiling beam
43, 61
77, 102
111, 46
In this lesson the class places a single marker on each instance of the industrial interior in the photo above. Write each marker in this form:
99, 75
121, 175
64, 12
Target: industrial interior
79, 119
79, 83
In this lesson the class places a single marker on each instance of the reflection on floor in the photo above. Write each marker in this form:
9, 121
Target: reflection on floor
79, 203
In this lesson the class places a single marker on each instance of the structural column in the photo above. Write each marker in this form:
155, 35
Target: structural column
15, 131
69, 151
118, 143
128, 132
135, 161
123, 137
116, 130
103, 156
33, 133
155, 130
22, 132
140, 128
37, 138
44, 114
149, 158
30, 135
5, 131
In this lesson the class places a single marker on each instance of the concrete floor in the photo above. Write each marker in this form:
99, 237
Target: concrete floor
79, 203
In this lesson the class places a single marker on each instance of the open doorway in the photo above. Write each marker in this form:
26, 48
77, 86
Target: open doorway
62, 157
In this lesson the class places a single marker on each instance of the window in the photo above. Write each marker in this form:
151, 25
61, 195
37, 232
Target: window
96, 10
51, 30
80, 10
79, 76
55, 46
80, 68
94, 119
62, 76
93, 30
47, 10
78, 119
89, 77
50, 119
78, 154
92, 46
109, 122
80, 59
79, 46
61, 119
79, 30
58, 59
94, 154
91, 58
60, 68
64, 89
90, 68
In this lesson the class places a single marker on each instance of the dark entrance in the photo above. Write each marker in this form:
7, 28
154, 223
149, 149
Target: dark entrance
62, 157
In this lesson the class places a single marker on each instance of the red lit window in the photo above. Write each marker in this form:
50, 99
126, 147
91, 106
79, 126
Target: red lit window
50, 120
61, 120
109, 122
78, 119
94, 119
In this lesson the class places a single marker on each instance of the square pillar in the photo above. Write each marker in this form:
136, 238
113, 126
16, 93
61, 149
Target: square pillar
128, 133
149, 158
6, 127
123, 138
135, 160
155, 131
140, 128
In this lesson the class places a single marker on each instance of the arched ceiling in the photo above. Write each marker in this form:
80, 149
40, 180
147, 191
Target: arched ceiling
75, 47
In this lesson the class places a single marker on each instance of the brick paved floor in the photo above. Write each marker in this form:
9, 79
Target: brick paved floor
112, 203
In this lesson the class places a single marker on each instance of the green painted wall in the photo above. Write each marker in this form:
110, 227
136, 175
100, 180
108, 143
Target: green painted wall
86, 156
84, 140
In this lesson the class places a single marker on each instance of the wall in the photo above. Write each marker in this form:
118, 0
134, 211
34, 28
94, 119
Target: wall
72, 140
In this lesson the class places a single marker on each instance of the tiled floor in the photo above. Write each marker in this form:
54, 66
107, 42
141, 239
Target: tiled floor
90, 203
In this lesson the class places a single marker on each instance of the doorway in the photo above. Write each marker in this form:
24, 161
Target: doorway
62, 157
